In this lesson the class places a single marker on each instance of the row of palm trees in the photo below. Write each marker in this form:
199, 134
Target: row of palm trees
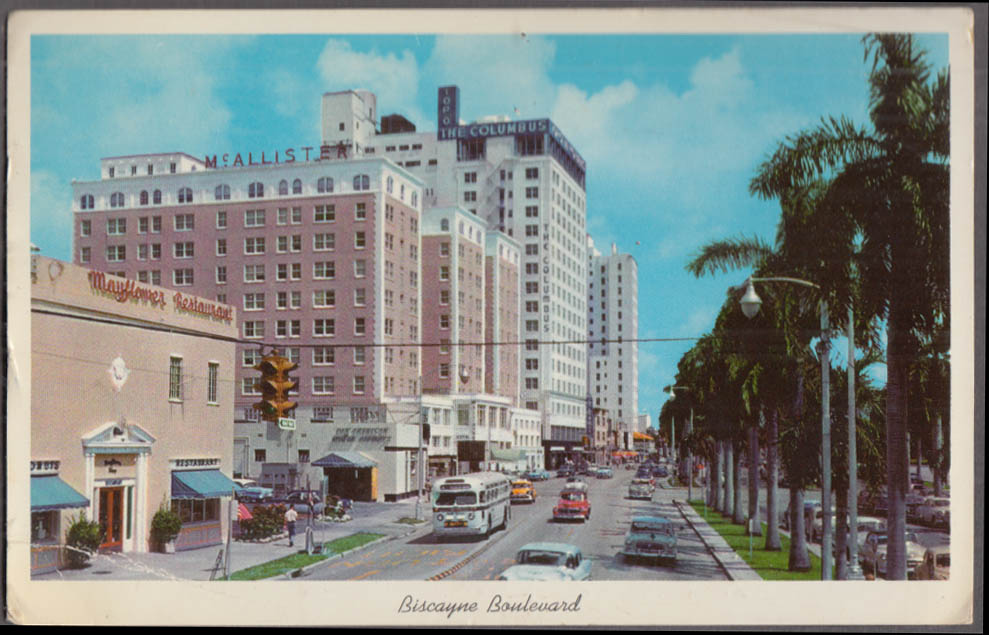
864, 216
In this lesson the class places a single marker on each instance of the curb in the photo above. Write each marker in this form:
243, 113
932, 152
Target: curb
296, 573
715, 553
457, 567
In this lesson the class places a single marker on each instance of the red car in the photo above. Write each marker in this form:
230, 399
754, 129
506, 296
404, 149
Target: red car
573, 504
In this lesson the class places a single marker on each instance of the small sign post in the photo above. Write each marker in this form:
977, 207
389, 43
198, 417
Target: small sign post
285, 423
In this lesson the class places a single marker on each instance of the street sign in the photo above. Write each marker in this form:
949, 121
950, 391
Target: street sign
286, 424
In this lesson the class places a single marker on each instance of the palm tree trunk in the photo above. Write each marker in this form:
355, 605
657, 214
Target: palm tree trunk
720, 493
841, 534
737, 512
729, 481
773, 542
897, 363
938, 463
799, 558
756, 527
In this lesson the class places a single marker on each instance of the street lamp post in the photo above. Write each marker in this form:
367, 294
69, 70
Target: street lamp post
420, 476
750, 306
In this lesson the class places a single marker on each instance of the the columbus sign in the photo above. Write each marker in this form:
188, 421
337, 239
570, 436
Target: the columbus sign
124, 290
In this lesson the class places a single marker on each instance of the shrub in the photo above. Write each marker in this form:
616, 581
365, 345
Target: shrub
165, 526
83, 539
267, 520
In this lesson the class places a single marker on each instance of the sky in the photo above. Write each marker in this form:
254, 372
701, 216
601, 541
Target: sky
672, 127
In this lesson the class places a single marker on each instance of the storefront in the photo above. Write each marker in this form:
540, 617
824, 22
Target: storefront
197, 497
53, 505
352, 475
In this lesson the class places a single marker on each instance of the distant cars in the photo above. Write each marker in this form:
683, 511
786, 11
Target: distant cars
936, 564
254, 493
660, 471
605, 472
651, 537
564, 471
873, 553
573, 504
810, 510
640, 488
935, 511
523, 491
913, 503
537, 475
301, 500
548, 561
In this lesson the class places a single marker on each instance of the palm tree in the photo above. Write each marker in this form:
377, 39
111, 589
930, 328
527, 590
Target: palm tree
888, 193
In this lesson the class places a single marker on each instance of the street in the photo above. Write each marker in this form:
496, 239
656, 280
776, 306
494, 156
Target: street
422, 556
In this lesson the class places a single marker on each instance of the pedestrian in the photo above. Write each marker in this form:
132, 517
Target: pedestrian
290, 517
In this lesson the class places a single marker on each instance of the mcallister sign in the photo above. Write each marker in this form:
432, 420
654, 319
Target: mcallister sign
124, 290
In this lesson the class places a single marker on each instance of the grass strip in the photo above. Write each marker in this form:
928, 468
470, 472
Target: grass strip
299, 560
770, 565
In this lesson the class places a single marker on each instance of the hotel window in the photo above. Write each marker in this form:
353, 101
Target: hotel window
117, 199
212, 381
116, 226
322, 385
389, 326
532, 173
362, 182
253, 273
185, 195
323, 356
221, 275
288, 328
470, 197
85, 255
532, 211
142, 276
470, 177
297, 186
444, 273
254, 246
175, 378
260, 456
324, 327
183, 250
86, 201
324, 242
255, 190
444, 296
85, 228
360, 242
222, 193
532, 325
254, 218
532, 192
358, 384
221, 219
531, 267
249, 386
444, 321
444, 347
184, 222
283, 188
532, 250
142, 225
182, 277
324, 299
151, 169
360, 355
445, 225
532, 364
324, 214
324, 185
156, 224
532, 383
221, 246
296, 271
360, 211
360, 326
324, 270
360, 297
360, 268
390, 183
156, 277
250, 357
156, 197
445, 371
253, 301
282, 216
254, 329
143, 197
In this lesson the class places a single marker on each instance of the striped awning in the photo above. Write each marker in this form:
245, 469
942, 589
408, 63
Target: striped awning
345, 459
201, 484
50, 492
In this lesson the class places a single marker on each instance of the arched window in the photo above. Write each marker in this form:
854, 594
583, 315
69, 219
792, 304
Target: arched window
86, 201
297, 186
283, 188
117, 199
156, 197
185, 195
390, 184
255, 190
144, 197
445, 225
324, 184
222, 193
362, 182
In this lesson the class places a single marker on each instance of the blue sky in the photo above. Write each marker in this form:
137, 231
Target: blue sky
672, 126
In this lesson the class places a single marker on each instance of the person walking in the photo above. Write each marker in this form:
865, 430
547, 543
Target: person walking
290, 517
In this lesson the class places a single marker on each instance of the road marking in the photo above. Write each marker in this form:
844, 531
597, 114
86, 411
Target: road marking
367, 575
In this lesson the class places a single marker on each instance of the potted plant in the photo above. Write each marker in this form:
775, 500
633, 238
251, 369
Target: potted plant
82, 540
165, 527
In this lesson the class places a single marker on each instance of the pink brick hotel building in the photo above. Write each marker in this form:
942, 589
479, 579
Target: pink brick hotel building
381, 257
132, 409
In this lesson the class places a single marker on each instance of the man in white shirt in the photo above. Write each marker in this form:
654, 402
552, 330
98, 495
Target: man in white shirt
290, 517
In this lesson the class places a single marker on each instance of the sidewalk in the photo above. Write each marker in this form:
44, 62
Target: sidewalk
197, 564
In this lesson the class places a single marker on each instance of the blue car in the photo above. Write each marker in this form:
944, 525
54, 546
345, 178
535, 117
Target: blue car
537, 475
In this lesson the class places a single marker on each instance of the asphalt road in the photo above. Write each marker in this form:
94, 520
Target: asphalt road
423, 556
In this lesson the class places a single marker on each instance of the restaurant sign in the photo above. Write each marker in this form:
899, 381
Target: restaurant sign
124, 290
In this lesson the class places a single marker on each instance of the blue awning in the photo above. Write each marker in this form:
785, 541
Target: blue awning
51, 492
201, 484
345, 459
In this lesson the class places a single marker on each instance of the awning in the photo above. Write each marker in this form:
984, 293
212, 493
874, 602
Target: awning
509, 455
243, 513
345, 459
201, 484
51, 492
557, 448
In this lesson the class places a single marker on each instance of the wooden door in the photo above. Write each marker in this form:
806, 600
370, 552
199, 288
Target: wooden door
112, 518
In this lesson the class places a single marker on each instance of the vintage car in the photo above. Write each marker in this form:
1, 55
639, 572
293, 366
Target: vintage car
913, 503
640, 488
935, 511
301, 500
573, 504
873, 553
604, 472
565, 470
651, 537
254, 494
548, 561
810, 511
936, 563
537, 475
523, 491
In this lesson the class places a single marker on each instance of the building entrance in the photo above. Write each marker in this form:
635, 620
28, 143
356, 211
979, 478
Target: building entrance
112, 518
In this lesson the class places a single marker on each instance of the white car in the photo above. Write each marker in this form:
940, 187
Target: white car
548, 561
935, 511
873, 553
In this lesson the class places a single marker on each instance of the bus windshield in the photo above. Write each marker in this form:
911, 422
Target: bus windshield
449, 499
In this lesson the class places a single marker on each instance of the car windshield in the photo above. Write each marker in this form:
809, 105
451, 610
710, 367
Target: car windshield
551, 558
520, 484
659, 528
870, 526
446, 499
572, 496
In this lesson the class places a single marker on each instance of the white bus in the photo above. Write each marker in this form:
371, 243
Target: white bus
471, 504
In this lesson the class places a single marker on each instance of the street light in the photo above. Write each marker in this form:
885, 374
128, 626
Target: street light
690, 454
750, 307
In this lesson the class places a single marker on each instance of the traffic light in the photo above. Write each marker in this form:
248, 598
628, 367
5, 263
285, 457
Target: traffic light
275, 385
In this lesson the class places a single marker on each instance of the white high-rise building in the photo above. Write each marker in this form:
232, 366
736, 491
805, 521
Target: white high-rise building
613, 331
523, 178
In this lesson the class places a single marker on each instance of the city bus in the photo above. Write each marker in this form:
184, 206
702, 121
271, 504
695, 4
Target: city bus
471, 504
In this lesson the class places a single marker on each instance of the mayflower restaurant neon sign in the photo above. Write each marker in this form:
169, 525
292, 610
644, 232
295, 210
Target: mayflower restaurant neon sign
124, 290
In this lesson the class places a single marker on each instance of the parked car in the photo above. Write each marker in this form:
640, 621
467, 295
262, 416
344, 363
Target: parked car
817, 524
660, 471
301, 499
255, 494
873, 553
548, 561
810, 509
913, 503
566, 470
573, 504
640, 488
537, 475
651, 537
523, 491
936, 563
935, 511
605, 472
